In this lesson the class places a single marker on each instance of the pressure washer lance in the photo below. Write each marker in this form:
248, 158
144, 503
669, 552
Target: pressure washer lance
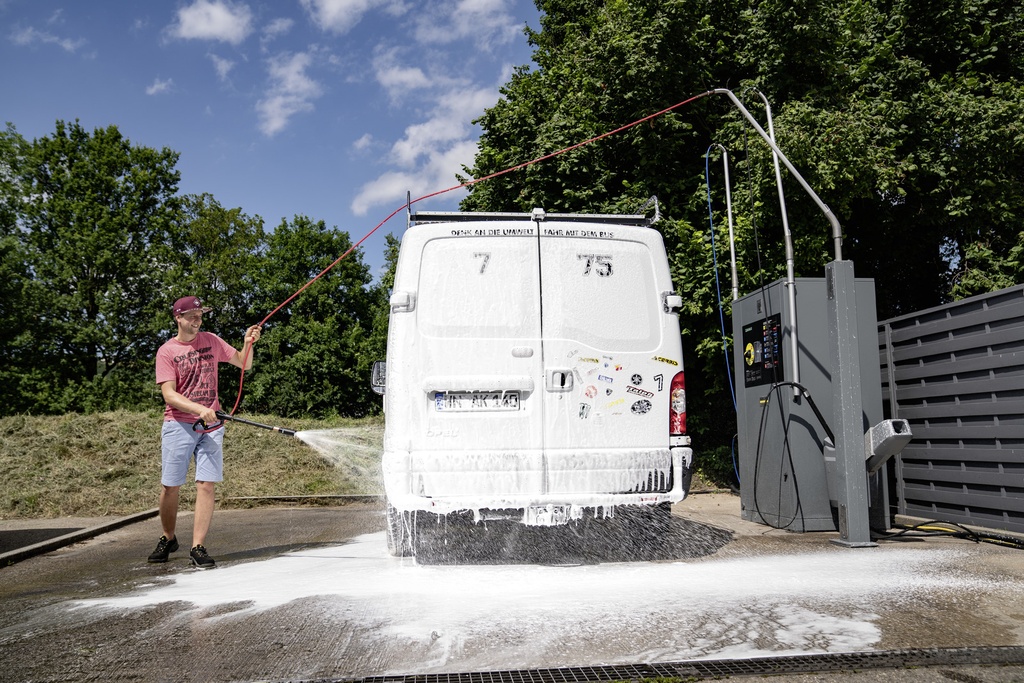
224, 416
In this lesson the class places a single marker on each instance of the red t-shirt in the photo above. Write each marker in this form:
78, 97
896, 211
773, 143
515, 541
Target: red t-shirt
193, 369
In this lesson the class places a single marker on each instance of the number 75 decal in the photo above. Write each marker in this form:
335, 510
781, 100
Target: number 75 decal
602, 265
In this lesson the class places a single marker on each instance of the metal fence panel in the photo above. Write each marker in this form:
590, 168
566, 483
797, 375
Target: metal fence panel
956, 373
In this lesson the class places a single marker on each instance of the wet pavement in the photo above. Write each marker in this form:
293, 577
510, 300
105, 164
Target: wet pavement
309, 593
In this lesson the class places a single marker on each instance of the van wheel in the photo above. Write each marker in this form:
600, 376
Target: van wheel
399, 532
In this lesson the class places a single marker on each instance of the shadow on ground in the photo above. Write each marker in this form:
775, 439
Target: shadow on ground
646, 535
22, 538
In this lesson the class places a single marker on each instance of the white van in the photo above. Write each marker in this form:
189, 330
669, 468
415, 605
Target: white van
534, 372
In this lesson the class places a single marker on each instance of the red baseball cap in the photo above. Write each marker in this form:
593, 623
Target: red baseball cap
189, 303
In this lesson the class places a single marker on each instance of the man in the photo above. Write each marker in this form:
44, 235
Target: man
186, 371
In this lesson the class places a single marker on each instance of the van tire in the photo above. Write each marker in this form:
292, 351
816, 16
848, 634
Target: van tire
399, 532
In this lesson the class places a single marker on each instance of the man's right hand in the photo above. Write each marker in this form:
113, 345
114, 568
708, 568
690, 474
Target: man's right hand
208, 416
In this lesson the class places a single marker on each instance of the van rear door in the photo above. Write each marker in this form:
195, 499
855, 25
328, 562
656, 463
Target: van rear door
607, 380
478, 351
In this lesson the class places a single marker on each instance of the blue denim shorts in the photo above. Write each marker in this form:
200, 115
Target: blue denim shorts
180, 444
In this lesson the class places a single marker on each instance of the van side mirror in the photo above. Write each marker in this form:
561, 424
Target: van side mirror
379, 376
672, 303
402, 302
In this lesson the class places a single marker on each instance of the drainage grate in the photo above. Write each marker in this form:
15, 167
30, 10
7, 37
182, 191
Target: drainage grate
716, 668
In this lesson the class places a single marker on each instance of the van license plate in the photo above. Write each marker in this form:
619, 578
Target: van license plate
475, 401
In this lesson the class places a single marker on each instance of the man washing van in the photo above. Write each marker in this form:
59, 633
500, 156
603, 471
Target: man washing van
186, 371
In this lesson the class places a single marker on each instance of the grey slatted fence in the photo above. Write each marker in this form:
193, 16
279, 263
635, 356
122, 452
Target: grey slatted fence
956, 373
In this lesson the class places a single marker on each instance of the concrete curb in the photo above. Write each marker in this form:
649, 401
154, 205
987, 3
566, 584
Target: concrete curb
312, 498
13, 556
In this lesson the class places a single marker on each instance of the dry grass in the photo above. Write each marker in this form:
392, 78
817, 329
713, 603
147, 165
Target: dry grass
109, 463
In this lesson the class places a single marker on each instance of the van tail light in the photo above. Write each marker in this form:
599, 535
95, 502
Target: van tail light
677, 406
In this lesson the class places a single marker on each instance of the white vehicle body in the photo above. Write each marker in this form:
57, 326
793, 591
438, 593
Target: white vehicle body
530, 365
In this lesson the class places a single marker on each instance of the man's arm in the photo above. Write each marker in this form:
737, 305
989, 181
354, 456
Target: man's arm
175, 400
252, 335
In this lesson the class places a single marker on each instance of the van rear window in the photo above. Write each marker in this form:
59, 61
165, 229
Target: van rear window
484, 288
602, 293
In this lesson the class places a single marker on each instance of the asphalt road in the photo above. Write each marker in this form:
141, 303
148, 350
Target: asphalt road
309, 593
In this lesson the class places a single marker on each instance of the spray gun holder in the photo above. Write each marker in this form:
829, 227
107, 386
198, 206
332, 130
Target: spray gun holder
884, 440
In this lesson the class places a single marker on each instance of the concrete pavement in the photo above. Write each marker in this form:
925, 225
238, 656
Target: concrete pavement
974, 634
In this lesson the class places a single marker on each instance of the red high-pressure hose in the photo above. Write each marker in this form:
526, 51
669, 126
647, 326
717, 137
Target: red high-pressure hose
468, 183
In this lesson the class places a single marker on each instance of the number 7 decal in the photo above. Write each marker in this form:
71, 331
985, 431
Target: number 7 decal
486, 256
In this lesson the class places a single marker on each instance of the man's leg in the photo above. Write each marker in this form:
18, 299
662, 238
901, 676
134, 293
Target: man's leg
204, 512
169, 509
177, 441
209, 470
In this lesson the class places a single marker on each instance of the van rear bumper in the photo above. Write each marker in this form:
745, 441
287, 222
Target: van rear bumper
523, 482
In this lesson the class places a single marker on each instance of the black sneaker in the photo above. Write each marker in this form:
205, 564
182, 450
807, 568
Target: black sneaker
163, 549
200, 560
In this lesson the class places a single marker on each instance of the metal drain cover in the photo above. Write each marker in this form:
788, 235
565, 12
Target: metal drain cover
717, 668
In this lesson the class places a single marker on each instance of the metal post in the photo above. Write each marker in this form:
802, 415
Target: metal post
847, 407
732, 236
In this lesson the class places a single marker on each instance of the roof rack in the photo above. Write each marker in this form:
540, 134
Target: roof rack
421, 217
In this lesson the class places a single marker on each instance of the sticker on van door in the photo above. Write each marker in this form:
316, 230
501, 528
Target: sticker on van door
641, 407
639, 392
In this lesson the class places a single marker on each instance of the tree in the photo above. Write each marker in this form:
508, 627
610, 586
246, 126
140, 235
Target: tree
310, 360
16, 354
93, 214
906, 117
377, 341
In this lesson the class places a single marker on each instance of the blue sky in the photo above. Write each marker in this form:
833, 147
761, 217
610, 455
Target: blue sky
333, 109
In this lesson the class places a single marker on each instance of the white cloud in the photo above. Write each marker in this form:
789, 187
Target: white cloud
291, 92
363, 143
436, 174
223, 66
221, 20
340, 16
432, 152
397, 79
158, 87
28, 36
486, 22
277, 27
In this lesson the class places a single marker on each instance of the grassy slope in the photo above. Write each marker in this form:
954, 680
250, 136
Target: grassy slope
109, 463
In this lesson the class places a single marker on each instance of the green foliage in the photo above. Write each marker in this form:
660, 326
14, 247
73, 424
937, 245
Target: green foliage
377, 342
217, 251
906, 117
91, 211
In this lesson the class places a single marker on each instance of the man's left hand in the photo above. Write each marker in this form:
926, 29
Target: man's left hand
252, 335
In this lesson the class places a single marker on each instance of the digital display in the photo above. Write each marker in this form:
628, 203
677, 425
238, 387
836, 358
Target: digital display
762, 351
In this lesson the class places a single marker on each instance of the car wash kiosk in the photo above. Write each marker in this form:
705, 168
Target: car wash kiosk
811, 436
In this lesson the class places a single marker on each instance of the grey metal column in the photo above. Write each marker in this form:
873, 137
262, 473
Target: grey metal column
847, 407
